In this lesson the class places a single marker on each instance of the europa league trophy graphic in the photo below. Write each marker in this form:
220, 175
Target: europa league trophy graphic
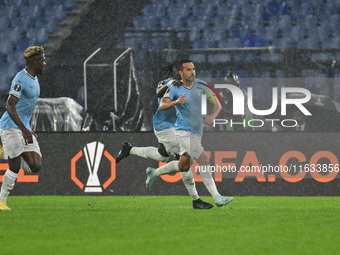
93, 154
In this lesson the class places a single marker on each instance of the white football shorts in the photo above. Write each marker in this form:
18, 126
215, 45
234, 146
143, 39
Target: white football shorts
14, 144
190, 143
168, 138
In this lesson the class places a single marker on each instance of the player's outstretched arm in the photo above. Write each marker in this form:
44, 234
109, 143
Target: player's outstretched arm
209, 119
166, 102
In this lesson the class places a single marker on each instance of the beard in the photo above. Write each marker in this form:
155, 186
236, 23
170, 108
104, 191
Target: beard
191, 78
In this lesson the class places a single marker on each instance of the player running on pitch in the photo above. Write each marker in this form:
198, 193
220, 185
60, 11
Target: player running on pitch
20, 146
189, 129
164, 123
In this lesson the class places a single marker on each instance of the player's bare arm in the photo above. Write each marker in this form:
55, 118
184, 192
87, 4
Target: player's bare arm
209, 119
166, 102
13, 113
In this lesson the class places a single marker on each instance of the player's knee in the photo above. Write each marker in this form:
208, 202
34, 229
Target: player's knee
184, 163
36, 167
184, 167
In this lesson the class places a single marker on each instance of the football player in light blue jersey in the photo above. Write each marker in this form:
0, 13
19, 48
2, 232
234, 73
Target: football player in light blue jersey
164, 128
189, 114
189, 128
20, 146
26, 89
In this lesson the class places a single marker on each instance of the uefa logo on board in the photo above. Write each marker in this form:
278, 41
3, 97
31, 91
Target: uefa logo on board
87, 176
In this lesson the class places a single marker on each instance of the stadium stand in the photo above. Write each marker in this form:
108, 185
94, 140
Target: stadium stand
241, 18
287, 25
254, 38
211, 24
24, 23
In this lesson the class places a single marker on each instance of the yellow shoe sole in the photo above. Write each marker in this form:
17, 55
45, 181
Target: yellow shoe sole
4, 207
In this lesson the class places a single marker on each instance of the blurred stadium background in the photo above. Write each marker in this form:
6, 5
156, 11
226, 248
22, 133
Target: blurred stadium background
256, 39
104, 60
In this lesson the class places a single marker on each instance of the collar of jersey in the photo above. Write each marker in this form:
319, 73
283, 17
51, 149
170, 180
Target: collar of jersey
190, 87
29, 74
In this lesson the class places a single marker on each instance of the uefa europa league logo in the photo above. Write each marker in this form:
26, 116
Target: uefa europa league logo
93, 154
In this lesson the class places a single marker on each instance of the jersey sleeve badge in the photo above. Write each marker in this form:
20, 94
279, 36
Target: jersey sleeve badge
17, 87
15, 91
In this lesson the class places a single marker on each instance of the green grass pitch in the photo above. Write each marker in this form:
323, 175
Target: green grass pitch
169, 225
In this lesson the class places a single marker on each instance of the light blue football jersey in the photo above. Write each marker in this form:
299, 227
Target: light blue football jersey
164, 119
189, 115
27, 90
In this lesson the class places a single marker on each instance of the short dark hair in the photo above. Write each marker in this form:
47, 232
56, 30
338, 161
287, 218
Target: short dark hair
33, 51
183, 61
